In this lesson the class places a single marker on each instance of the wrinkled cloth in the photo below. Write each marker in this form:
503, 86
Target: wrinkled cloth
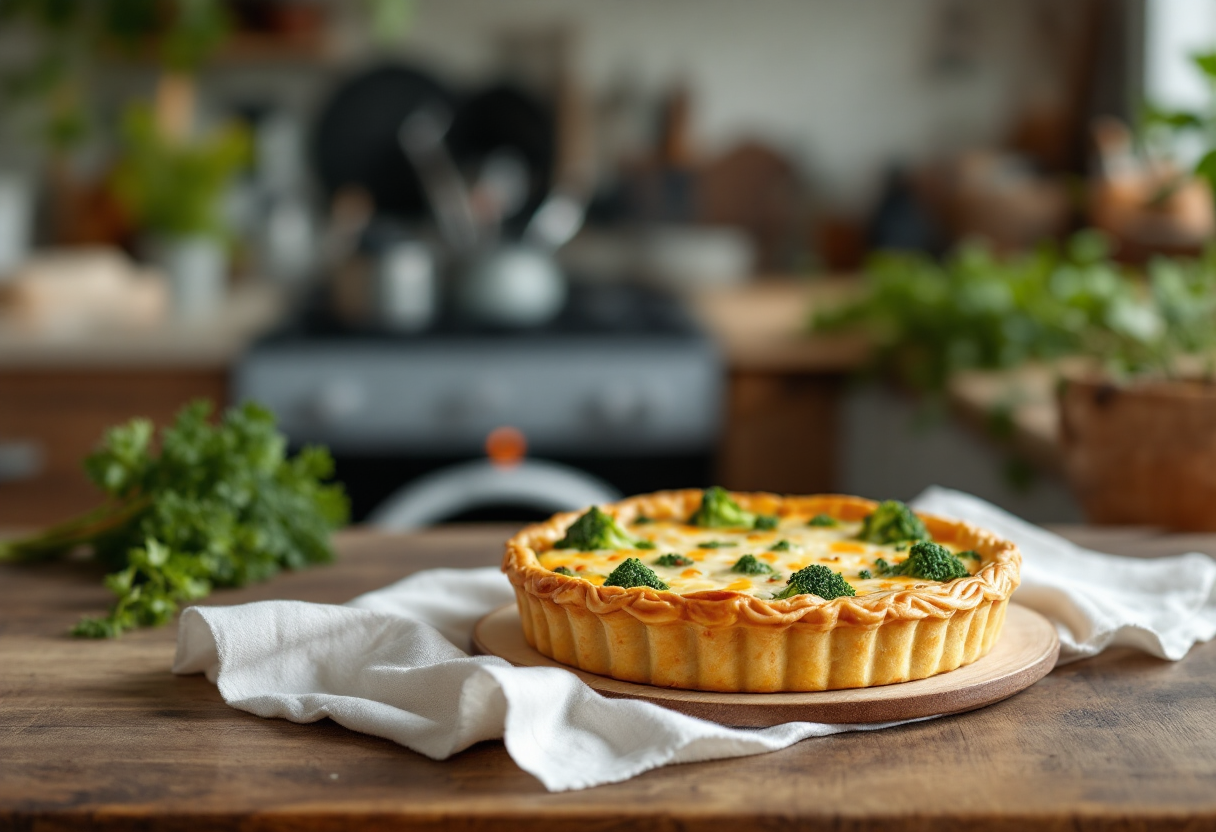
395, 663
1162, 606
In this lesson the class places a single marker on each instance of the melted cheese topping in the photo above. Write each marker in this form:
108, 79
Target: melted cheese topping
715, 551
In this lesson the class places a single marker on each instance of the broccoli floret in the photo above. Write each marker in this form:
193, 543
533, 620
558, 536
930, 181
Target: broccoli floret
633, 573
719, 511
563, 570
748, 565
928, 561
816, 579
823, 520
717, 544
780, 546
970, 554
643, 544
932, 562
672, 559
642, 520
596, 530
766, 522
864, 575
892, 522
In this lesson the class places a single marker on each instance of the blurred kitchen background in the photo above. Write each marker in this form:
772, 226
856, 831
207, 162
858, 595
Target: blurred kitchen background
506, 256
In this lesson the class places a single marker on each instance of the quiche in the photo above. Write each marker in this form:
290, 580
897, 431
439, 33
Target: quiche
716, 591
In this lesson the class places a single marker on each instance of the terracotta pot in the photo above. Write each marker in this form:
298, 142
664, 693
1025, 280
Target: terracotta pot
1143, 453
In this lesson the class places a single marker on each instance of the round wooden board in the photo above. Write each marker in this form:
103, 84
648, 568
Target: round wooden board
1024, 654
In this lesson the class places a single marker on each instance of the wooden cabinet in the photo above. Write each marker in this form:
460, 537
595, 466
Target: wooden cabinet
51, 418
781, 432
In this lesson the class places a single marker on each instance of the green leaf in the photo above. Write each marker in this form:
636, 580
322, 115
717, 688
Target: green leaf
1206, 167
1207, 63
220, 505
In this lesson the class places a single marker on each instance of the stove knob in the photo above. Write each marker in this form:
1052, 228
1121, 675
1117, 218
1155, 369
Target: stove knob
479, 402
335, 402
619, 408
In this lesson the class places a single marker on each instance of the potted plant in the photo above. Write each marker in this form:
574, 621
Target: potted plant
1138, 419
1135, 351
173, 184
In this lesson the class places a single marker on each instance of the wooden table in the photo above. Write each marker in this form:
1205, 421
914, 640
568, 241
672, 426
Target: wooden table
100, 734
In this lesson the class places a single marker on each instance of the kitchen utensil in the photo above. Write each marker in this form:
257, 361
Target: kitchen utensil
355, 143
557, 220
505, 121
405, 287
512, 286
421, 138
500, 191
16, 219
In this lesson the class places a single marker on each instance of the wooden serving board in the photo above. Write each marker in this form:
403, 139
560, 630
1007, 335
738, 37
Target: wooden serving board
1025, 652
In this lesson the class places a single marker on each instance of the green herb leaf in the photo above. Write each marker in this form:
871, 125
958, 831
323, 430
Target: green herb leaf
219, 505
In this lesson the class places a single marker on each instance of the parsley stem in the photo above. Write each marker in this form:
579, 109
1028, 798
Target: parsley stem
62, 537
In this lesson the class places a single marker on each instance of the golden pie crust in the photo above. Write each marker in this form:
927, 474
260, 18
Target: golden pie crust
719, 640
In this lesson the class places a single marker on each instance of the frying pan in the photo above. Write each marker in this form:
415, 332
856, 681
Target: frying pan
355, 142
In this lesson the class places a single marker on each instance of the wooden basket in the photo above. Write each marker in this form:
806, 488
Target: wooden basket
1142, 454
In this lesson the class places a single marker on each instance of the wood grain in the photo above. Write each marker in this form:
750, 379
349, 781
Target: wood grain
782, 433
64, 413
101, 735
1024, 654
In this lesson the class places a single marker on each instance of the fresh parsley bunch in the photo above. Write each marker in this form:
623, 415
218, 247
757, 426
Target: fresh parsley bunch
221, 504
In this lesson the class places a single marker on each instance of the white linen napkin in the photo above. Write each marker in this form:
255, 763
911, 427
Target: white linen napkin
1162, 606
393, 663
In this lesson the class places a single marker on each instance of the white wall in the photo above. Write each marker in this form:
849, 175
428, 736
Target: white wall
846, 86
1174, 31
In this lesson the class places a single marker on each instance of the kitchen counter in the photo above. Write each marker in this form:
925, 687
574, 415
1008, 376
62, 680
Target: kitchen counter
213, 342
101, 734
762, 326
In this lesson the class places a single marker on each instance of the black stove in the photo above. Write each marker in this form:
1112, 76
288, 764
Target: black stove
623, 384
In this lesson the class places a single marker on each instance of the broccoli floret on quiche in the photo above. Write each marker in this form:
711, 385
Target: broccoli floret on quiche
864, 575
892, 522
780, 546
632, 572
564, 570
596, 529
816, 579
970, 554
673, 559
766, 522
928, 561
749, 565
824, 520
718, 510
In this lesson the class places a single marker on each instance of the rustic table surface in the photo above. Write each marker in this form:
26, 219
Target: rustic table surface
100, 734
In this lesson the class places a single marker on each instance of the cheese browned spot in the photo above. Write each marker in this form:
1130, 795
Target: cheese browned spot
833, 546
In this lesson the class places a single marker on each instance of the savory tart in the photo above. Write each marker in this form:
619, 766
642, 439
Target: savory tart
760, 593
